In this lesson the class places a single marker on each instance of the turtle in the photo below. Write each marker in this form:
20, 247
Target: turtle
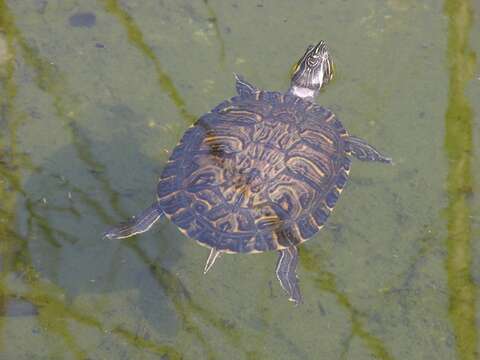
260, 172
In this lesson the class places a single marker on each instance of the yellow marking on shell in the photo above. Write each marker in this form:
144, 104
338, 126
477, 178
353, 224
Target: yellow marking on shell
183, 231
210, 247
328, 207
168, 216
319, 226
332, 116
177, 212
305, 239
219, 139
311, 219
227, 251
257, 95
275, 242
325, 137
244, 112
168, 196
227, 109
162, 179
311, 164
287, 196
296, 232
268, 219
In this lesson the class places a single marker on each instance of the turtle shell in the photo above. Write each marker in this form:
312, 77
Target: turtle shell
259, 172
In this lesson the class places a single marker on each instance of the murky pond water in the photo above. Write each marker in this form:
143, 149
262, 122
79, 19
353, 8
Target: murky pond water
95, 94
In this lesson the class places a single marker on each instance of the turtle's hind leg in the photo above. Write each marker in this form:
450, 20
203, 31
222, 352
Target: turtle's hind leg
365, 152
137, 225
287, 274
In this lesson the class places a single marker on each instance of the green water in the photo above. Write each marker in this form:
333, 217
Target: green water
94, 95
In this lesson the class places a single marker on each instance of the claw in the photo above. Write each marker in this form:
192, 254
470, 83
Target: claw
214, 254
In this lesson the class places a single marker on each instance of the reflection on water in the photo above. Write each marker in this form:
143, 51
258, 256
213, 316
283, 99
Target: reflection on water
70, 166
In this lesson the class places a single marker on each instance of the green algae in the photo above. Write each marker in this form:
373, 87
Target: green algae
9, 170
459, 149
52, 312
135, 36
327, 283
213, 18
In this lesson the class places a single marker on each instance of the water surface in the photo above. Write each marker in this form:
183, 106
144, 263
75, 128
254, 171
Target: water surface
95, 94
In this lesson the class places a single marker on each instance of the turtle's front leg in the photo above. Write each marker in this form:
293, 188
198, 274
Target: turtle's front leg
287, 274
365, 152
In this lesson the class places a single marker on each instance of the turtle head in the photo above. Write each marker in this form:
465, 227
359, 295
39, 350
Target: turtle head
312, 72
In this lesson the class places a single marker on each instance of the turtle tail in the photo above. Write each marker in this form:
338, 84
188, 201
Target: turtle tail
137, 225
